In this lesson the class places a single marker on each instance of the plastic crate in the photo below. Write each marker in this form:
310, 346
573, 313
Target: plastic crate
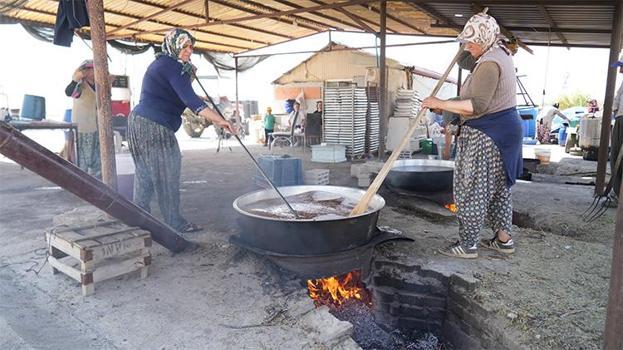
282, 171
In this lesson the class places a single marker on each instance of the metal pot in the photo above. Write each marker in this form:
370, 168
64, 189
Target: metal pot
306, 237
421, 175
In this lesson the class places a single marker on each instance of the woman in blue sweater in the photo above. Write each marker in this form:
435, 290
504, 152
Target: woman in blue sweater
166, 92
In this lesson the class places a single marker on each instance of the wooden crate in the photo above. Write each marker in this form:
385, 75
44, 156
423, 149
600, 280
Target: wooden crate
97, 252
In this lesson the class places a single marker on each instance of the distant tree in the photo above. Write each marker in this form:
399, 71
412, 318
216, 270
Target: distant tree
573, 99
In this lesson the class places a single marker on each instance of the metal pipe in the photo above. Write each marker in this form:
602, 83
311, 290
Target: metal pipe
257, 165
383, 80
36, 158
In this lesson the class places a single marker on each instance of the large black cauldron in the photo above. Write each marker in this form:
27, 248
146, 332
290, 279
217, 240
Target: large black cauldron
306, 237
424, 176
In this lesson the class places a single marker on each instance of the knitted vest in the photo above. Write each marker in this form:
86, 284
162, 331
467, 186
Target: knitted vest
505, 95
84, 113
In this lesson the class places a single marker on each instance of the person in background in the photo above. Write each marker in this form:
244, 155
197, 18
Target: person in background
296, 120
593, 106
546, 117
269, 125
84, 113
617, 134
318, 107
165, 93
489, 144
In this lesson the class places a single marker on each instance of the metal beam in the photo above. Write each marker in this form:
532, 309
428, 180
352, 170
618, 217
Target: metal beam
298, 19
361, 23
430, 12
395, 19
479, 8
347, 49
172, 25
146, 18
52, 14
362, 19
194, 15
553, 25
533, 29
321, 15
267, 15
383, 80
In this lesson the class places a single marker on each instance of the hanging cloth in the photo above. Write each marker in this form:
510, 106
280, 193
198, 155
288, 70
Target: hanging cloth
71, 14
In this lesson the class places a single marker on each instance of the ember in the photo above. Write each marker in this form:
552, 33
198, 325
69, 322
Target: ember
337, 290
451, 207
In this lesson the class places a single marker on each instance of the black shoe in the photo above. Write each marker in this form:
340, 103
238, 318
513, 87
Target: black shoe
499, 246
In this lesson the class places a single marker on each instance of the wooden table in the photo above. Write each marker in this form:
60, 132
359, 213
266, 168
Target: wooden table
49, 125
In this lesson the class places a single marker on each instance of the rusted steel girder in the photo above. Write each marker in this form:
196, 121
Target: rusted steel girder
36, 158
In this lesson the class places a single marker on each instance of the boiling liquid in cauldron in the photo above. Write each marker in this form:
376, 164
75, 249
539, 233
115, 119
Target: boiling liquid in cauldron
422, 168
319, 205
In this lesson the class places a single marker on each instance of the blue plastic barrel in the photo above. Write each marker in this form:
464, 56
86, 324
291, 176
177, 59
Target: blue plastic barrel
562, 135
67, 116
33, 107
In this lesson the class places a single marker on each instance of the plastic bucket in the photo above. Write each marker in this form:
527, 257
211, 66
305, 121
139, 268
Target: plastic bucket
125, 175
67, 116
33, 107
543, 155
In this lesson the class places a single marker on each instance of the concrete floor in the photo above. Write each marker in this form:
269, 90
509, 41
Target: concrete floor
219, 296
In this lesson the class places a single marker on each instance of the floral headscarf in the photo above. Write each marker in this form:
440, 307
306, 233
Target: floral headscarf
172, 45
481, 29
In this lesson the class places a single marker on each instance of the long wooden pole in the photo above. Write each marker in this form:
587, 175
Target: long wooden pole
362, 206
102, 87
615, 47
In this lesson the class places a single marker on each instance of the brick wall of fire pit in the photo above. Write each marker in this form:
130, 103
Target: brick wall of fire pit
410, 298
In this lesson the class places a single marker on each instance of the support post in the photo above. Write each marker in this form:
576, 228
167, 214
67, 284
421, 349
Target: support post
102, 87
238, 118
383, 80
614, 316
615, 47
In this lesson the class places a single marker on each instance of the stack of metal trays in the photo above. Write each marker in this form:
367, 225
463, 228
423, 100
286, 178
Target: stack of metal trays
372, 120
345, 111
408, 103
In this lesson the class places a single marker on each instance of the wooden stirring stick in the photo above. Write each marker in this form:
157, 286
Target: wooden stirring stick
364, 202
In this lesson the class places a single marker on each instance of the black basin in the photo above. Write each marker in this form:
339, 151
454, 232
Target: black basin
421, 176
306, 236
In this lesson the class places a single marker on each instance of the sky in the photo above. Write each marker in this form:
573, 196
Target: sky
31, 66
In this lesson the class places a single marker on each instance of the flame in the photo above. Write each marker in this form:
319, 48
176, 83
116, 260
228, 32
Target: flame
451, 207
336, 290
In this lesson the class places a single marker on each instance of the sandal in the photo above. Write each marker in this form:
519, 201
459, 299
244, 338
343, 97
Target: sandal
190, 227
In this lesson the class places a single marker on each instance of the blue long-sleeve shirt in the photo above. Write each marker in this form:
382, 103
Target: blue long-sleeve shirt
166, 93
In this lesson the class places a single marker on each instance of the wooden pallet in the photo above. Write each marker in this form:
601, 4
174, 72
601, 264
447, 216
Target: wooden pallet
94, 253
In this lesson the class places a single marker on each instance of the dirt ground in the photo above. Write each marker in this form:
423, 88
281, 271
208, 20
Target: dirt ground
553, 290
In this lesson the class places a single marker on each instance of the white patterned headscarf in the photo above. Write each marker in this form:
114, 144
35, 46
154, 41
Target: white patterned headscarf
173, 43
481, 29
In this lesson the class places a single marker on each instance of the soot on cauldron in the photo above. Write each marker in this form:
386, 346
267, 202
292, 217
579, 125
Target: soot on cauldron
319, 205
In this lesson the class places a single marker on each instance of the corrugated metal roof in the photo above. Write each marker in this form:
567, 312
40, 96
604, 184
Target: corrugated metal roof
581, 22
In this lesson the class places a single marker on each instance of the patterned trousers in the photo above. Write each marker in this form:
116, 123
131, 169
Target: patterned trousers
158, 164
480, 191
89, 153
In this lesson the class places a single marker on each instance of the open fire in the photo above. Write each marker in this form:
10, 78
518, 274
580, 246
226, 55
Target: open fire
451, 207
337, 290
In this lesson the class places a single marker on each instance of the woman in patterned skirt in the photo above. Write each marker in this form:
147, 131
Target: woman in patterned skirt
489, 144
165, 93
